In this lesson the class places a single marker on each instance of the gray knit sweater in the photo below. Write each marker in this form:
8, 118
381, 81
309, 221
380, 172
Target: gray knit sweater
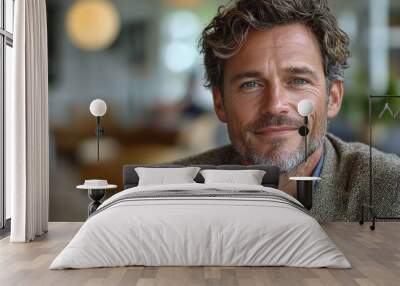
345, 179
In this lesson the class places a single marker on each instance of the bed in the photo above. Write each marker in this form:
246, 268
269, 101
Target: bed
201, 223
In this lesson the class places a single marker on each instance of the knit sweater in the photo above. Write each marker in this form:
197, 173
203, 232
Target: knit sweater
345, 179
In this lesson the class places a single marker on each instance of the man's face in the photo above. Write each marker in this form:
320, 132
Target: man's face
263, 83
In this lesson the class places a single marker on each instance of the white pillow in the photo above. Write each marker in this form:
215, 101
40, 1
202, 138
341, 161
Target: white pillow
248, 177
161, 176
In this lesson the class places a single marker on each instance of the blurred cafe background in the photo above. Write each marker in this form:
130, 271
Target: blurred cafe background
141, 58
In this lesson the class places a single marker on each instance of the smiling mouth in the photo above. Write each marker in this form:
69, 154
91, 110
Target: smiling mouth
274, 131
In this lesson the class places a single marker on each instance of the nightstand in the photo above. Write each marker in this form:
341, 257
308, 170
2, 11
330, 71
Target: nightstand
96, 192
305, 189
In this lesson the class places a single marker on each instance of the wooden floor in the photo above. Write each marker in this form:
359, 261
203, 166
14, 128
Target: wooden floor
375, 256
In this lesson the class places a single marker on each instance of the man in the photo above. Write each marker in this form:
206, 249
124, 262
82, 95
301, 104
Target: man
262, 57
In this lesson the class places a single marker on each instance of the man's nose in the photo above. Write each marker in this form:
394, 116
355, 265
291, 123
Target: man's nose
275, 101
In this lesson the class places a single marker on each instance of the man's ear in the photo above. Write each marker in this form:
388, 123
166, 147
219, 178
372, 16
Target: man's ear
335, 98
219, 104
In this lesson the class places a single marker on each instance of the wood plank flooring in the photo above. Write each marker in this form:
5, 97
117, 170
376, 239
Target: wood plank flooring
374, 255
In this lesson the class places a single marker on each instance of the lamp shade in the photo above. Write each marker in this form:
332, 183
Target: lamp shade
98, 107
305, 107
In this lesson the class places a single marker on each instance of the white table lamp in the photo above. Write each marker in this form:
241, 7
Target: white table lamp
305, 184
305, 108
98, 108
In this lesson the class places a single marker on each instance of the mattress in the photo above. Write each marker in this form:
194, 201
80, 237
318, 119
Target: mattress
201, 225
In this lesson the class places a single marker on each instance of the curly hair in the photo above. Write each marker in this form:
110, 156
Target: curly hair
228, 30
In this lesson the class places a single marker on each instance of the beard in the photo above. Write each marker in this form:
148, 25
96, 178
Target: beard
287, 161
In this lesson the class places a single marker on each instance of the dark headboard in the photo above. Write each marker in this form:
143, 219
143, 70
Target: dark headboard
271, 177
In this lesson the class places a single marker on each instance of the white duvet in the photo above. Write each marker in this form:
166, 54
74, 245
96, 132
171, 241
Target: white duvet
188, 231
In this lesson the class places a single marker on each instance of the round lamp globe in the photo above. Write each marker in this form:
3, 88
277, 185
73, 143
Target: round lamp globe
98, 107
305, 107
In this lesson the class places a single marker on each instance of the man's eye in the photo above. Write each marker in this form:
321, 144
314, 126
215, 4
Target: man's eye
249, 84
299, 81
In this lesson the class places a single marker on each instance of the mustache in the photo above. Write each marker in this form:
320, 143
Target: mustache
270, 120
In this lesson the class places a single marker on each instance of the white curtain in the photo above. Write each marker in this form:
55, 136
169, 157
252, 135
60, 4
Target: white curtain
27, 141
